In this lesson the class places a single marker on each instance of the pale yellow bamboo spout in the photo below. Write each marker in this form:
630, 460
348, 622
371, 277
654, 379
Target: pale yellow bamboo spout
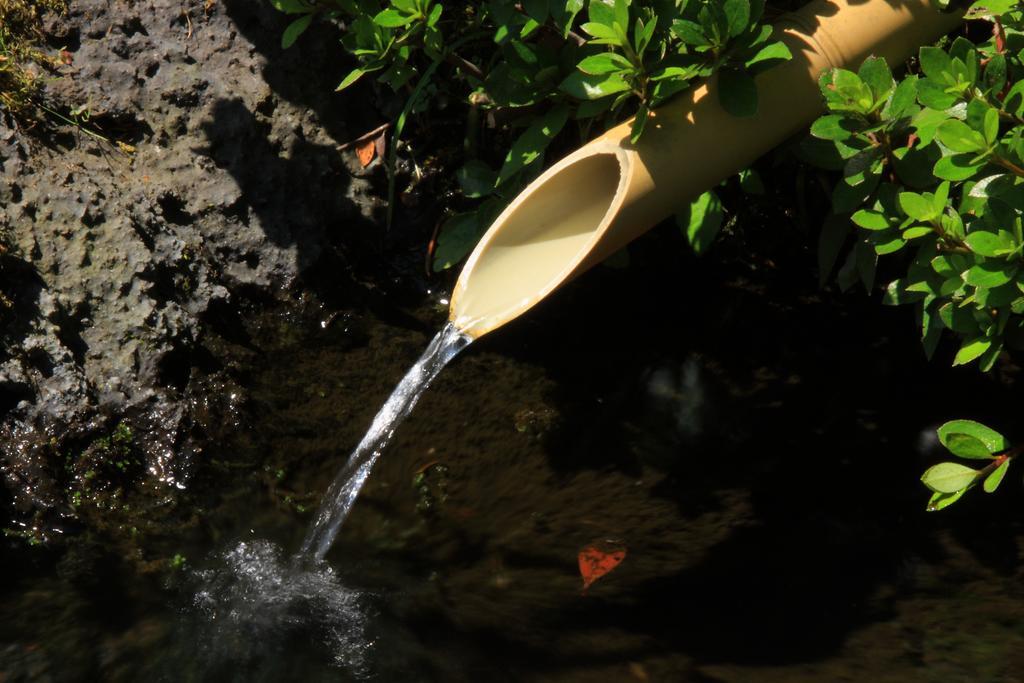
608, 192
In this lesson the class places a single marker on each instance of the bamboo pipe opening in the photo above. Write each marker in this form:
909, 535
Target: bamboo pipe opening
540, 239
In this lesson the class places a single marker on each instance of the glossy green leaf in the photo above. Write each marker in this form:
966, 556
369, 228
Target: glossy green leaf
993, 440
967, 446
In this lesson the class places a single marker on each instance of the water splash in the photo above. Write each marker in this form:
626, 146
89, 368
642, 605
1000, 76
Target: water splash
344, 490
259, 602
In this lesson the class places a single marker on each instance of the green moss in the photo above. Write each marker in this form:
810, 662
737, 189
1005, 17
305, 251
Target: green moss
20, 36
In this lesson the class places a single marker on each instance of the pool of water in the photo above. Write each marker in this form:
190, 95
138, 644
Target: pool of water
754, 446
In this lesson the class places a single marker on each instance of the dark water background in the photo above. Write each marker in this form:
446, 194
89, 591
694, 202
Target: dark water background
753, 443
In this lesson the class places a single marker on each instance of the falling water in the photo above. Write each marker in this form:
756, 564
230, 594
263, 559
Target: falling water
346, 485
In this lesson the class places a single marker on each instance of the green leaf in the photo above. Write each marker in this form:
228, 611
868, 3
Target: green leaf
737, 92
960, 137
931, 93
769, 56
957, 167
847, 197
604, 63
391, 18
701, 221
601, 33
926, 122
993, 440
353, 76
916, 232
601, 11
294, 30
948, 477
990, 127
565, 14
939, 501
690, 33
531, 144
871, 220
456, 239
587, 87
935, 62
972, 349
990, 274
737, 13
991, 8
993, 480
639, 123
901, 102
980, 189
917, 207
476, 179
835, 127
750, 181
967, 446
435, 15
990, 244
876, 75
897, 294
887, 245
621, 8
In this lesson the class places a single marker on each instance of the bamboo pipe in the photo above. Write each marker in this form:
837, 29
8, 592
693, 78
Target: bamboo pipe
608, 192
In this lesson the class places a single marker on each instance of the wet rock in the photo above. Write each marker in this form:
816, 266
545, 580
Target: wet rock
218, 176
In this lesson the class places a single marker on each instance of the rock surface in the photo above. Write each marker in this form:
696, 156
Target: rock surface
220, 177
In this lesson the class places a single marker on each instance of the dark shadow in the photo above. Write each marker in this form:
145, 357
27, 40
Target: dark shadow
813, 401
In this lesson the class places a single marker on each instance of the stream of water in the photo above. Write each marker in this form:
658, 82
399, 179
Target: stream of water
344, 490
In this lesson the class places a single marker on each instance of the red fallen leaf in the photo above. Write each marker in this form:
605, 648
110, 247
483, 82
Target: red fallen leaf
598, 559
366, 151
